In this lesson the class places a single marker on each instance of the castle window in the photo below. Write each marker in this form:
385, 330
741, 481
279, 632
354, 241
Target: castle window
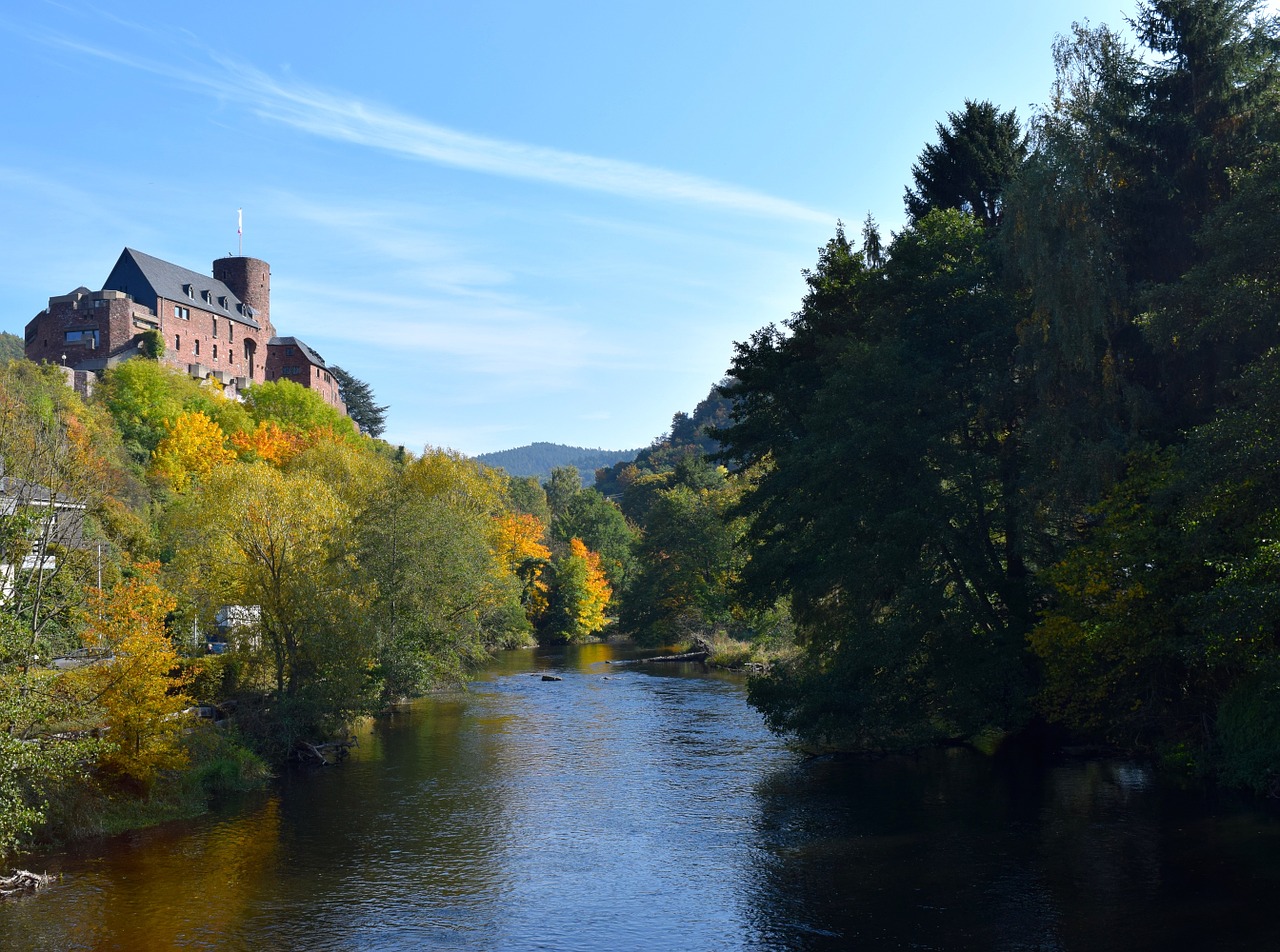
231, 332
177, 342
197, 346
288, 351
184, 313
215, 351
215, 327
81, 337
191, 291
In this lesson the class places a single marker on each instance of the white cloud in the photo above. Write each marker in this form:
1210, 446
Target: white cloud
341, 117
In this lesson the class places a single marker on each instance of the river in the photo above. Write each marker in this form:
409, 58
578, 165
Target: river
644, 806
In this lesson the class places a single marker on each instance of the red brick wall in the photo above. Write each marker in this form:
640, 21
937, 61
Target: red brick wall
118, 321
194, 339
307, 375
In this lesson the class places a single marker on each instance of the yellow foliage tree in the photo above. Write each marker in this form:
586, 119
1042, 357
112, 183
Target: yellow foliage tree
137, 690
194, 446
598, 591
518, 545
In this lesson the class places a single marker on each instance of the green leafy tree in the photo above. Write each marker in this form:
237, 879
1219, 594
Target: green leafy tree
445, 597
295, 407
886, 494
252, 535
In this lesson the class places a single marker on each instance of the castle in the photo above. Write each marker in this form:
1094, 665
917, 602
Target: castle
213, 328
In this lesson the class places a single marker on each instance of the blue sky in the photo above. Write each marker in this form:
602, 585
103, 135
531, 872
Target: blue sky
517, 221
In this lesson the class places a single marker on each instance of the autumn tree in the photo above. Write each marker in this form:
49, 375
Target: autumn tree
519, 544
580, 595
137, 687
192, 448
295, 408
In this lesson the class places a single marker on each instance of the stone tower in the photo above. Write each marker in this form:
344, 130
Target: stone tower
250, 280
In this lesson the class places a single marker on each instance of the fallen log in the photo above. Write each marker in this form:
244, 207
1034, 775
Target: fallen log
699, 655
22, 882
687, 656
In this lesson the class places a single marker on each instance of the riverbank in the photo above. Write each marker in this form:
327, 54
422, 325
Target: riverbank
99, 806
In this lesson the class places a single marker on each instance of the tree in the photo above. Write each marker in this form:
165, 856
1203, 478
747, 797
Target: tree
61, 461
600, 524
885, 496
295, 408
580, 595
358, 396
978, 152
137, 689
190, 451
271, 443
145, 397
518, 544
446, 591
252, 535
564, 484
689, 558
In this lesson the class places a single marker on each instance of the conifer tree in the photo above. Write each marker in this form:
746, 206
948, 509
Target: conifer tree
358, 396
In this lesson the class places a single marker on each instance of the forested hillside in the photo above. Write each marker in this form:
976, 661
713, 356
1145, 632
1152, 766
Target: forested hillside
539, 459
10, 347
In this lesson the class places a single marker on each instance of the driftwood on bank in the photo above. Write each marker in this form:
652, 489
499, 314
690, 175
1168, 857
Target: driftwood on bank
23, 882
318, 754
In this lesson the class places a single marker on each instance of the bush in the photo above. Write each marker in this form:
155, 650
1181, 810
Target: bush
151, 345
1249, 734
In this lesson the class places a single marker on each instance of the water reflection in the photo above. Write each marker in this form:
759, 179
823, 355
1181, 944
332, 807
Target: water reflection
643, 806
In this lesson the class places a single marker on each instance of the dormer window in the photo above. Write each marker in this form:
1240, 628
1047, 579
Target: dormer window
190, 291
222, 301
207, 295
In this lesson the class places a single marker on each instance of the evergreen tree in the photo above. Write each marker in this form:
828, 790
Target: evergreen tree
358, 396
978, 151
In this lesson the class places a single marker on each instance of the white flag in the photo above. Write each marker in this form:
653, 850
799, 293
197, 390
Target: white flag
239, 221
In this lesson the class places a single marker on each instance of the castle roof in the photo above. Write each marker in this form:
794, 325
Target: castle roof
146, 278
307, 352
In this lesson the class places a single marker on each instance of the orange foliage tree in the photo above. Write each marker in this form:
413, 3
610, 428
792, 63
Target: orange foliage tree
137, 689
194, 445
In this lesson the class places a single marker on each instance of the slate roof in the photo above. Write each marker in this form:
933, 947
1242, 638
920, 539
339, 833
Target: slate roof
306, 351
13, 489
169, 281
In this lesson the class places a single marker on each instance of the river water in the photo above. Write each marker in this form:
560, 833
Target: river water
644, 806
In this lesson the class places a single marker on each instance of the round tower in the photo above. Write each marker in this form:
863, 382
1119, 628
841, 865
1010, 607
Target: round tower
250, 280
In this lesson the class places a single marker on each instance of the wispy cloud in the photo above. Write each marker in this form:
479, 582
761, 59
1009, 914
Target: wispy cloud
341, 117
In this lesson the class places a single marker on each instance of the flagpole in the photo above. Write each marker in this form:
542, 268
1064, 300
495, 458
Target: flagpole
240, 232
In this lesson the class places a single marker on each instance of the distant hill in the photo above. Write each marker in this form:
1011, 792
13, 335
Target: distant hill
539, 459
10, 347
